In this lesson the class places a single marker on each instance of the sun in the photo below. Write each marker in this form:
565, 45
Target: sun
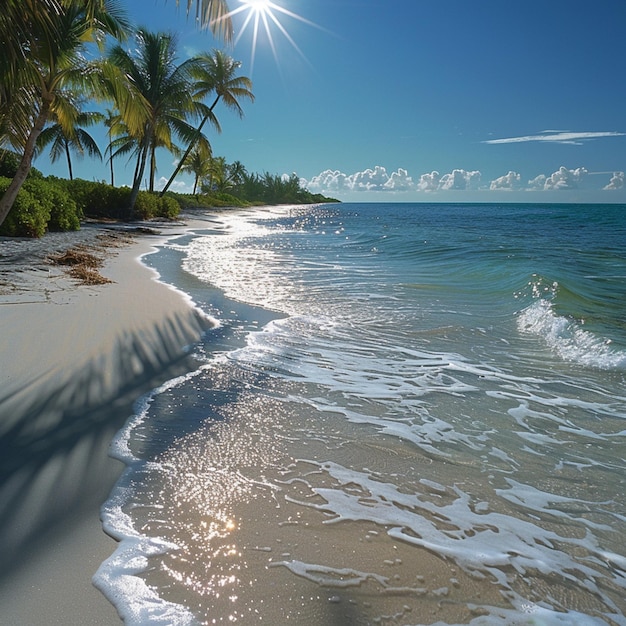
260, 6
265, 16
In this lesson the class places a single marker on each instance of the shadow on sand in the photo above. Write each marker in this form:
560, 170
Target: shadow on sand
54, 438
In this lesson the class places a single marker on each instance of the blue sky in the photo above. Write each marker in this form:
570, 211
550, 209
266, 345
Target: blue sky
422, 100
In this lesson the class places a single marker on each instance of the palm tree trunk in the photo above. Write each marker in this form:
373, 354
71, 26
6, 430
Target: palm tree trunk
139, 155
69, 159
152, 167
192, 143
141, 168
111, 160
7, 200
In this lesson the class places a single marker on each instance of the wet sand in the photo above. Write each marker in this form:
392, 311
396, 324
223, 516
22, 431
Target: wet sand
73, 360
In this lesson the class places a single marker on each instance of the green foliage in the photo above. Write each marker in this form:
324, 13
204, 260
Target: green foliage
57, 202
206, 200
168, 207
222, 199
27, 217
247, 189
98, 200
149, 206
9, 162
64, 203
275, 189
103, 201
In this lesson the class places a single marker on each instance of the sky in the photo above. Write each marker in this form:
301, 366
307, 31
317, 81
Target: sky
417, 100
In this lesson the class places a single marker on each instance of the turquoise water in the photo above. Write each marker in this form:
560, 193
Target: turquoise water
408, 414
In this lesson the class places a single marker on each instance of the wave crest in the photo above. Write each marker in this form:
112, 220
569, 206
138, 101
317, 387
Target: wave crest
567, 339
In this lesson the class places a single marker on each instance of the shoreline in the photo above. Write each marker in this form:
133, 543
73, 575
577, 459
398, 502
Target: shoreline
74, 358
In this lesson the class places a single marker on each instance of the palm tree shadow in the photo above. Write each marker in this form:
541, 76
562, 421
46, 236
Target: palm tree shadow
53, 445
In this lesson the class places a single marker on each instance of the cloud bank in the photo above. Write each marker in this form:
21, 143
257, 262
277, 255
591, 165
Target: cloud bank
378, 180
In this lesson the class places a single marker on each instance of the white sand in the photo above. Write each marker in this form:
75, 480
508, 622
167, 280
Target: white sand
73, 359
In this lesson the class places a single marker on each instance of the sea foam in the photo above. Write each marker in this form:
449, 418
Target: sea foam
568, 339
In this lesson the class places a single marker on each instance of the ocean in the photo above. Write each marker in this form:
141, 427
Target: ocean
406, 414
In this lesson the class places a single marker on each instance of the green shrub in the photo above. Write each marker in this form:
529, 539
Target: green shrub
221, 198
27, 217
186, 201
168, 207
9, 162
98, 199
56, 200
147, 205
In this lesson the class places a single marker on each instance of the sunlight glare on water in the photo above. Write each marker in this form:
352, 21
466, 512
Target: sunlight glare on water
370, 440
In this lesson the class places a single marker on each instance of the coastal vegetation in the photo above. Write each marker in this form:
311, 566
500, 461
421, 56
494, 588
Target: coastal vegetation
61, 56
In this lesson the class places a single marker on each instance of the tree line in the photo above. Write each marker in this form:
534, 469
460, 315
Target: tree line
152, 99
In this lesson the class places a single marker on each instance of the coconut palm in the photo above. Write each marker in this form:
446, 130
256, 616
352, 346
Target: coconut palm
219, 174
52, 36
155, 100
236, 173
225, 176
64, 140
215, 73
198, 163
19, 17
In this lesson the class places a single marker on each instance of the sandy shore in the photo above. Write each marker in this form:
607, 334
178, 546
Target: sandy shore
73, 359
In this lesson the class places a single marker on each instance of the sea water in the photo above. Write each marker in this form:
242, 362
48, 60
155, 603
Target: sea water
406, 414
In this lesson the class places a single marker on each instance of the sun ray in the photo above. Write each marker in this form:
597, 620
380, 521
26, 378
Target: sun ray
268, 32
289, 38
263, 16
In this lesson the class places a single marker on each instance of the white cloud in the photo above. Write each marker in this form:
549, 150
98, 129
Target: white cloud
457, 179
399, 181
538, 182
179, 186
565, 179
460, 180
429, 182
375, 179
617, 182
558, 137
370, 180
328, 180
508, 182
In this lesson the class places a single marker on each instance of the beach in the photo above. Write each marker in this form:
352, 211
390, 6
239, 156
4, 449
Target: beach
387, 414
73, 360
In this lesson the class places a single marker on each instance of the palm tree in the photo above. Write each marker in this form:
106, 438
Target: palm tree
155, 100
51, 36
64, 140
18, 16
199, 164
236, 173
219, 174
216, 73
17, 19
225, 176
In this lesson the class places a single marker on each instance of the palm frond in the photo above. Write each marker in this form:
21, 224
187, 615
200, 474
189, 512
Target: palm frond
214, 15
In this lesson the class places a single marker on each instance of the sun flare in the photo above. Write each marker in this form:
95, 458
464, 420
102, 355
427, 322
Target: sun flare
258, 5
264, 16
